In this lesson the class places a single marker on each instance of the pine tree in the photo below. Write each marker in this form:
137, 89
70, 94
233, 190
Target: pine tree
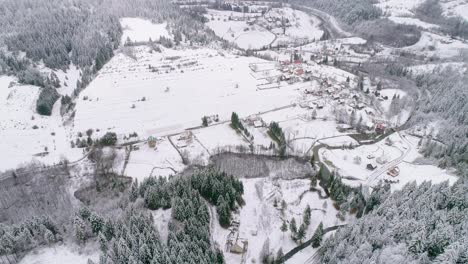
205, 121
301, 232
234, 120
307, 215
293, 227
79, 230
284, 227
134, 191
97, 223
317, 236
279, 256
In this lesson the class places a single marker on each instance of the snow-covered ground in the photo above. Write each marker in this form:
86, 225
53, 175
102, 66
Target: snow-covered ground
220, 136
431, 67
412, 21
456, 8
261, 220
398, 7
180, 88
27, 135
254, 31
302, 26
431, 44
60, 254
163, 160
238, 31
142, 30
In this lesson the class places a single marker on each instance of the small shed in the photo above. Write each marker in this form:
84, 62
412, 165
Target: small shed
360, 106
151, 142
394, 172
380, 128
371, 166
237, 249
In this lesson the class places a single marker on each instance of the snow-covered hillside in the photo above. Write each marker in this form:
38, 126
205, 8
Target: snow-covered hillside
26, 135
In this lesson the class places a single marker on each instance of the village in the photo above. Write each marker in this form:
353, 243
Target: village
276, 87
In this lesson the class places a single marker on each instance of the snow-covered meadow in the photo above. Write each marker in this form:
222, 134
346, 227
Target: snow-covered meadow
142, 30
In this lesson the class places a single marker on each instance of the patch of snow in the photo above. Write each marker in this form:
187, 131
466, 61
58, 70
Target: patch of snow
62, 254
141, 30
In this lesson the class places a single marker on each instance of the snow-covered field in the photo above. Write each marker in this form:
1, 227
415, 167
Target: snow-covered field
436, 45
142, 30
61, 254
27, 135
164, 160
238, 31
302, 26
412, 21
174, 94
254, 31
431, 67
219, 136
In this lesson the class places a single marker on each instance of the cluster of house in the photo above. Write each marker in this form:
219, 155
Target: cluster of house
277, 24
234, 243
295, 71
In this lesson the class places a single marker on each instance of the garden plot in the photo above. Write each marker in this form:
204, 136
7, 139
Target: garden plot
260, 220
164, 93
220, 137
313, 129
233, 28
261, 138
59, 254
439, 46
163, 160
26, 135
142, 30
191, 149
